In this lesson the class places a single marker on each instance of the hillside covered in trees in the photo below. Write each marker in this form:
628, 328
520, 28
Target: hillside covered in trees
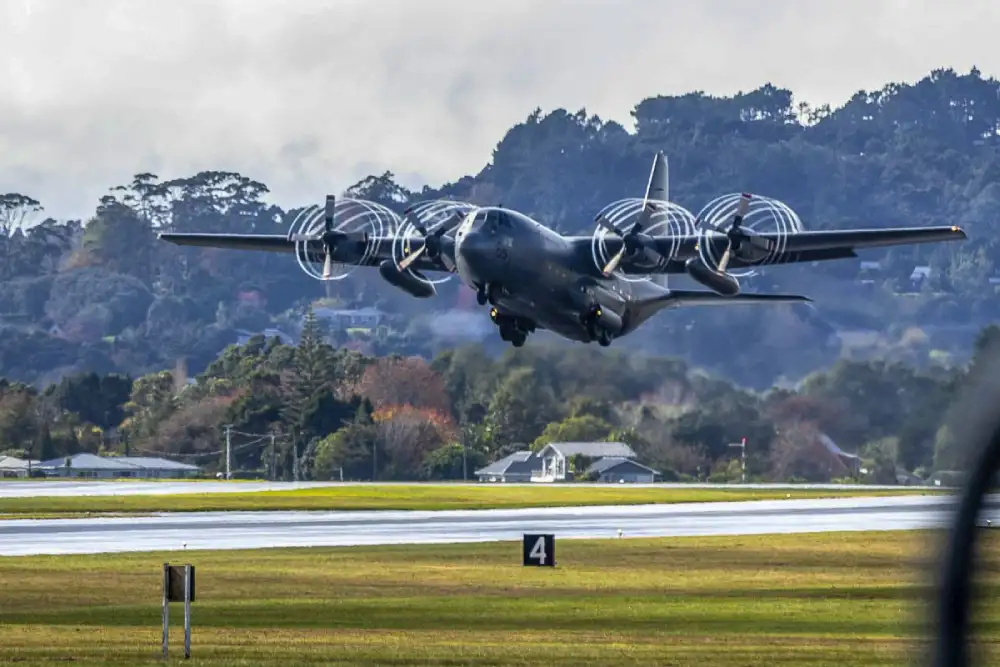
103, 295
403, 418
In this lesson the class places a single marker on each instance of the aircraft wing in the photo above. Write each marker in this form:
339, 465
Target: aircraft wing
350, 249
812, 246
808, 246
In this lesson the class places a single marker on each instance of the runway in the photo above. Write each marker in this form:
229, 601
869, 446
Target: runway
56, 487
250, 530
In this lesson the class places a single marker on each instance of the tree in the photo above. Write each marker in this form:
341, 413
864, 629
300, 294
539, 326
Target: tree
396, 381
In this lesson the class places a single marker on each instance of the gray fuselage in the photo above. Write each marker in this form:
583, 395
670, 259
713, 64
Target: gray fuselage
535, 274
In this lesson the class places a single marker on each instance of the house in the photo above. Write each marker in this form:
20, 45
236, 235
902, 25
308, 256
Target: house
616, 469
112, 467
362, 318
919, 276
561, 461
15, 467
517, 467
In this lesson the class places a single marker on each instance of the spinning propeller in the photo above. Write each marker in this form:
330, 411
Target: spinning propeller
330, 237
431, 245
633, 240
736, 235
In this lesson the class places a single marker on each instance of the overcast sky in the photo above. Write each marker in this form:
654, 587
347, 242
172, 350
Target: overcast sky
309, 96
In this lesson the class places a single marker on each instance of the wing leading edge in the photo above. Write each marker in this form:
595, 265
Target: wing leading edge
370, 252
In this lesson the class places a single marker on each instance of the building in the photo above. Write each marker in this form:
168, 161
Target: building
362, 318
618, 470
112, 467
15, 467
563, 461
518, 467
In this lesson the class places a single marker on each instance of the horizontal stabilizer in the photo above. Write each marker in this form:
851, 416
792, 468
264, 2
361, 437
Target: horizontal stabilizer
706, 298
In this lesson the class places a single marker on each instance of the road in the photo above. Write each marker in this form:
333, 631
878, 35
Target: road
19, 489
247, 530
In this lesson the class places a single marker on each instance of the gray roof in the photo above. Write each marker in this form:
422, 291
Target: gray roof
14, 463
85, 461
156, 463
523, 461
594, 450
610, 462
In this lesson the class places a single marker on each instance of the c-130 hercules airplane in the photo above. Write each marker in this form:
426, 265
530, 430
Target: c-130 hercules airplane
583, 288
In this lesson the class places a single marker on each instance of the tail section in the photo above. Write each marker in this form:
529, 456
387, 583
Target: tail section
658, 187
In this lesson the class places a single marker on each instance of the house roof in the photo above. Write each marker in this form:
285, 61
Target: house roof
594, 450
611, 462
14, 463
156, 463
522, 461
85, 461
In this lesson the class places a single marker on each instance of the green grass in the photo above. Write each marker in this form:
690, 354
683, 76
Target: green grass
414, 497
845, 599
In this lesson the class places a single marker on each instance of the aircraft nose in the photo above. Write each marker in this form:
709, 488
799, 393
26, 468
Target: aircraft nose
475, 251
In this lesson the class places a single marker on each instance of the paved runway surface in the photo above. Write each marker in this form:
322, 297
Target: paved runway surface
245, 530
18, 489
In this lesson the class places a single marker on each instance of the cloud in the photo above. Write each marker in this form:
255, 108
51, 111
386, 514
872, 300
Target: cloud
312, 95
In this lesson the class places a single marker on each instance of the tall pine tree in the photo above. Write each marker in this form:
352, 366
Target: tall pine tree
311, 374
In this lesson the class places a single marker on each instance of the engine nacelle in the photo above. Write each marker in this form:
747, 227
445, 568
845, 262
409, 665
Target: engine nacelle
604, 318
405, 280
718, 282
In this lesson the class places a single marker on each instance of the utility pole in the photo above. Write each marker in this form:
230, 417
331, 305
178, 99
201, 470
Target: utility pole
274, 460
742, 444
229, 452
465, 465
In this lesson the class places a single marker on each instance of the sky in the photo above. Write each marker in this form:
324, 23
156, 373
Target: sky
310, 96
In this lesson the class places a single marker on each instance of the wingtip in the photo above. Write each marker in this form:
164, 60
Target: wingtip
959, 232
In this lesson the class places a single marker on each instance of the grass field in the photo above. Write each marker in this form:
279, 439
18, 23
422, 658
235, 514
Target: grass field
843, 599
415, 497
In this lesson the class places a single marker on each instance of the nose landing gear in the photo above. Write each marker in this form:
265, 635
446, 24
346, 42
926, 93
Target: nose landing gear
489, 293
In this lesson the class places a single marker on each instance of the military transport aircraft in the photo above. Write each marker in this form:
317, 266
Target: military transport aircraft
583, 288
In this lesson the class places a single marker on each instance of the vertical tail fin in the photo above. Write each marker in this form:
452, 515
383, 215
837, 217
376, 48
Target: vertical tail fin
658, 187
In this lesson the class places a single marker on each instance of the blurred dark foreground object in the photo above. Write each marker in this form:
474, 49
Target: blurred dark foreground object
980, 402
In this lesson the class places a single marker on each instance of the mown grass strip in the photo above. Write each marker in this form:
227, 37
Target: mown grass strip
820, 599
416, 497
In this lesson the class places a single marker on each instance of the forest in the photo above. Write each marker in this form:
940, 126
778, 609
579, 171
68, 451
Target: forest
103, 295
334, 411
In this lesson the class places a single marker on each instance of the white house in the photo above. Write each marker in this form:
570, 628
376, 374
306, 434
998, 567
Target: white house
558, 458
615, 469
517, 467
362, 318
111, 467
15, 467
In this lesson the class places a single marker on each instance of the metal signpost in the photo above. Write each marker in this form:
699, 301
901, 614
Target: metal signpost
742, 444
178, 586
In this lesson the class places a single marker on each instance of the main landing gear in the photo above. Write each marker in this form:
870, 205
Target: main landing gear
514, 330
591, 319
488, 293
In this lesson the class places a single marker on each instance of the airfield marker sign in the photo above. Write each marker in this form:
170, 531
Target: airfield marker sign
178, 586
539, 550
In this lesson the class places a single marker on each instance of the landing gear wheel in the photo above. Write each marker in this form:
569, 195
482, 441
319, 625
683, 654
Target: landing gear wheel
518, 339
493, 293
604, 338
481, 296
